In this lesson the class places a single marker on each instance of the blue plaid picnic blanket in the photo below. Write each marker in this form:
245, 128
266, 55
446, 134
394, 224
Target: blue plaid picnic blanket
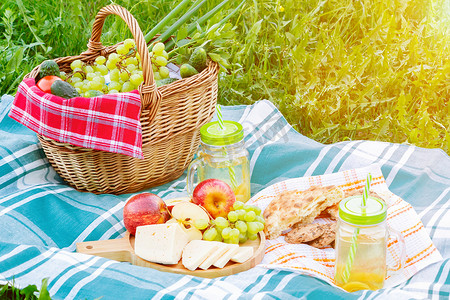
42, 218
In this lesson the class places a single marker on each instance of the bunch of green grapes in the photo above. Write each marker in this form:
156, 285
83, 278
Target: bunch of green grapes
123, 66
159, 58
242, 223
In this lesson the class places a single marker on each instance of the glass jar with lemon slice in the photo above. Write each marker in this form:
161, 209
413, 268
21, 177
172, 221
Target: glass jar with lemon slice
222, 155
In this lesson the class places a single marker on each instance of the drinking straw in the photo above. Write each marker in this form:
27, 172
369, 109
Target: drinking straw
231, 172
353, 246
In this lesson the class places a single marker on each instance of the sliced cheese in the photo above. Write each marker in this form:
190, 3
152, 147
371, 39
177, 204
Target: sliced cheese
160, 243
243, 254
232, 249
222, 248
196, 252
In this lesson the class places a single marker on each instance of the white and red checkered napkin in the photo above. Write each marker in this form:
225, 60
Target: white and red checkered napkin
108, 122
302, 258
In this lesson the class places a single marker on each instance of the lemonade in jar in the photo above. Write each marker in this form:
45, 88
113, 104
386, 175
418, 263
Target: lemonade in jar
222, 155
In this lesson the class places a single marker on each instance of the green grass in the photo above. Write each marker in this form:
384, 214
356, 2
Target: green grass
337, 69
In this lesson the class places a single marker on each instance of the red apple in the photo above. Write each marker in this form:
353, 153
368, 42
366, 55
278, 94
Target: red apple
144, 209
215, 195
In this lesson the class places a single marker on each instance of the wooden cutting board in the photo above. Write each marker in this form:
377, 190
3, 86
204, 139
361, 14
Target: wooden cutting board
123, 250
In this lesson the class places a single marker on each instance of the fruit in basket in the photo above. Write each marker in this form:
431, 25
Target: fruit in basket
46, 82
198, 59
165, 81
63, 89
48, 68
93, 93
144, 209
186, 70
215, 195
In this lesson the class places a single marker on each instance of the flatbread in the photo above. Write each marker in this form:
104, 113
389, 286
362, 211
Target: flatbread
292, 207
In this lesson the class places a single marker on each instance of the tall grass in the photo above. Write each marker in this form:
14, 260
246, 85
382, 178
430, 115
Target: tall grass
337, 69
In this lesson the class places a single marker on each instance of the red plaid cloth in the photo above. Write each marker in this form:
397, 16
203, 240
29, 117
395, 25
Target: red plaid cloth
108, 122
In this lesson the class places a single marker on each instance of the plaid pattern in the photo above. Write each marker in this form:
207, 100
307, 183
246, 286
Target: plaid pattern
420, 251
108, 122
42, 218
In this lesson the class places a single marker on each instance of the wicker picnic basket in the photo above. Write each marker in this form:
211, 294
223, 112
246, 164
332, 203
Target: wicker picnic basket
171, 116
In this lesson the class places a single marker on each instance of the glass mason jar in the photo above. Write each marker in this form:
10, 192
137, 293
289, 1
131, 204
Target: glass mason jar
222, 155
362, 236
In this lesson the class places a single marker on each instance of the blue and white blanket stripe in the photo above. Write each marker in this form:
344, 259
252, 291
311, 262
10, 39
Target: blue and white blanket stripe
42, 219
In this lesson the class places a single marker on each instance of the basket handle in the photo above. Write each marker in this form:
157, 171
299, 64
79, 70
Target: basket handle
150, 96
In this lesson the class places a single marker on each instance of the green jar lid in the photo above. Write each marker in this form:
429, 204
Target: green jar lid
352, 211
212, 134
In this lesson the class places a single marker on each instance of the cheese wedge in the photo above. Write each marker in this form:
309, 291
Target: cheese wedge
243, 254
214, 256
232, 249
160, 243
196, 252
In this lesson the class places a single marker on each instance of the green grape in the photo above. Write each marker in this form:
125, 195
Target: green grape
158, 48
138, 56
79, 90
76, 64
114, 85
121, 49
210, 234
131, 68
74, 79
252, 236
78, 85
102, 69
218, 238
113, 92
238, 205
226, 232
221, 222
260, 219
241, 226
63, 75
218, 229
127, 87
164, 72
90, 76
260, 226
155, 68
249, 216
161, 61
232, 216
131, 61
248, 207
136, 79
257, 210
233, 240
252, 227
88, 69
165, 55
234, 233
129, 43
114, 75
100, 60
124, 75
226, 241
114, 58
111, 65
95, 85
241, 214
242, 238
201, 224
100, 79
157, 76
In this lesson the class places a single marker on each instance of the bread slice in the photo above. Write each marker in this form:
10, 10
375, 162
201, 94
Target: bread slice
302, 207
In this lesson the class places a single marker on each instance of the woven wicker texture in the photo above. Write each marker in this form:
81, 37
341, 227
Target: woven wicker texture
171, 117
